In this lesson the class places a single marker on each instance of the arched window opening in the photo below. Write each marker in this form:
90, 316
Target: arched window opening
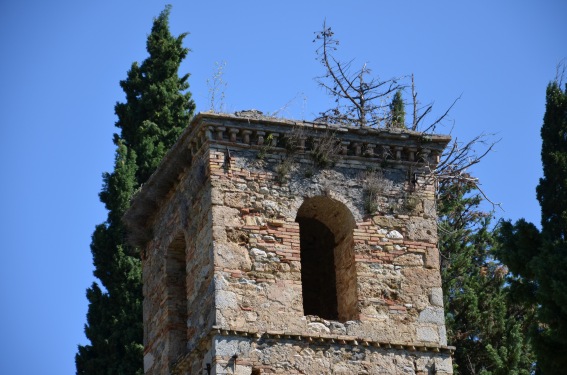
176, 294
328, 274
318, 269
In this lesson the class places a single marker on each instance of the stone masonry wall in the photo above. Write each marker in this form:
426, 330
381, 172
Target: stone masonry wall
229, 352
288, 356
257, 252
188, 213
279, 354
233, 196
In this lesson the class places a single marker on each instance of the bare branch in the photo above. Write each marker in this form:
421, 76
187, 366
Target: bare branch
285, 107
442, 117
327, 36
425, 113
457, 160
414, 101
361, 95
361, 100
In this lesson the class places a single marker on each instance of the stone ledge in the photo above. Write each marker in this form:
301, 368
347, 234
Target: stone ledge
181, 365
332, 339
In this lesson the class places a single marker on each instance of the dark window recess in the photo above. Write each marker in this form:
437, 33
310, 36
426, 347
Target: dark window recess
176, 294
318, 277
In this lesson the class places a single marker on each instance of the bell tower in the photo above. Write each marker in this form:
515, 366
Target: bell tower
272, 246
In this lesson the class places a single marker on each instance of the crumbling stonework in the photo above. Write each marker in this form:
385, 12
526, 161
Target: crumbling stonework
274, 246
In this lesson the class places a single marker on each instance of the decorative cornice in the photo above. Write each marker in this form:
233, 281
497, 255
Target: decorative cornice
332, 340
379, 143
251, 130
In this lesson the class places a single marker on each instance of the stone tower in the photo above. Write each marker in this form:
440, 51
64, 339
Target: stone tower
272, 246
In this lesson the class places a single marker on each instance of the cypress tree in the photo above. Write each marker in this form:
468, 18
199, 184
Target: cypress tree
157, 109
484, 324
397, 111
538, 259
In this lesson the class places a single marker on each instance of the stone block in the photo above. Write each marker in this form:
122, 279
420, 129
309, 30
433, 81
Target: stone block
227, 347
409, 260
236, 199
148, 361
436, 297
420, 229
318, 328
232, 256
388, 222
442, 335
428, 278
394, 235
432, 315
225, 299
443, 365
432, 258
428, 334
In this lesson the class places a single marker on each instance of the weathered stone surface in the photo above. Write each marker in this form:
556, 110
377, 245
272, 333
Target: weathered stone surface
436, 297
442, 335
290, 357
148, 360
413, 260
422, 276
432, 258
420, 229
432, 315
443, 365
394, 235
259, 255
229, 347
318, 328
241, 228
427, 334
225, 300
233, 256
236, 199
388, 222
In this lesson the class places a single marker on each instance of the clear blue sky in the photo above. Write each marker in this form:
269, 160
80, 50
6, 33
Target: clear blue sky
61, 62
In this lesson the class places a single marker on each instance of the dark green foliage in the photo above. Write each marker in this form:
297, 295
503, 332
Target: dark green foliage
552, 188
156, 110
538, 259
482, 322
397, 111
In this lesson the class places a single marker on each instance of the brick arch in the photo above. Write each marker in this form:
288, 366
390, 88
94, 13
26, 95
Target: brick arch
328, 272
